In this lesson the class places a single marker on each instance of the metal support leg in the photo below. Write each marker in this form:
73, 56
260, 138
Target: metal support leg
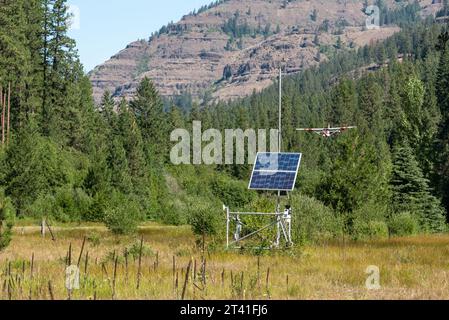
228, 217
238, 229
278, 234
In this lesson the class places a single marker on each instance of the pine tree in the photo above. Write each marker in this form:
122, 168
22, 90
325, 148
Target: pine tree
149, 111
413, 100
15, 56
177, 120
371, 104
411, 192
7, 213
358, 175
61, 70
443, 135
78, 111
118, 164
344, 103
107, 111
34, 10
134, 148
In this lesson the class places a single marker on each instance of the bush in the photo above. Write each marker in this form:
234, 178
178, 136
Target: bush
67, 205
254, 223
133, 250
313, 221
7, 214
43, 206
403, 224
369, 230
72, 203
123, 214
97, 209
37, 166
94, 239
174, 212
205, 218
371, 212
233, 193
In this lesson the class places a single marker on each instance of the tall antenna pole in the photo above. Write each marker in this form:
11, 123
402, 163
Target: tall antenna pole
278, 209
280, 109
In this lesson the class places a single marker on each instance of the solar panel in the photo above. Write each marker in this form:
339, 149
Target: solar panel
275, 171
277, 161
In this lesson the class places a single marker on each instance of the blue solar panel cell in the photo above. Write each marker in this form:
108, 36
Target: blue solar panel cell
284, 181
277, 161
275, 171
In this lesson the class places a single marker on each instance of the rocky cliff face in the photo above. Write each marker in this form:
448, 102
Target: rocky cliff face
236, 47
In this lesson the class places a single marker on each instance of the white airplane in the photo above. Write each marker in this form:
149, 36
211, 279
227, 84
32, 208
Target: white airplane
327, 132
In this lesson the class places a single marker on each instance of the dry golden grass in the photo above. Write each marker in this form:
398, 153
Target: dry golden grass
411, 268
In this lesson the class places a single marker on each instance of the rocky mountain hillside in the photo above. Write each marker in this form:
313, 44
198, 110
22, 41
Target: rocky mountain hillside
233, 47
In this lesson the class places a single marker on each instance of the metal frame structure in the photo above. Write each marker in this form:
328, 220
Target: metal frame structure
282, 221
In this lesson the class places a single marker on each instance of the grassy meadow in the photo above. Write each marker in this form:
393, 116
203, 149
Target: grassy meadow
34, 267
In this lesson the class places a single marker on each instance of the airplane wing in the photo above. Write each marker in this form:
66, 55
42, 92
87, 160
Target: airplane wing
342, 128
312, 129
323, 129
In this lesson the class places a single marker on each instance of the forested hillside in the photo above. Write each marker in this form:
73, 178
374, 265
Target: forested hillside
232, 47
67, 160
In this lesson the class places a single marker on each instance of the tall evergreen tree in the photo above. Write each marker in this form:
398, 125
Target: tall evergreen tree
344, 103
443, 135
411, 192
61, 69
358, 176
118, 164
15, 56
149, 111
134, 148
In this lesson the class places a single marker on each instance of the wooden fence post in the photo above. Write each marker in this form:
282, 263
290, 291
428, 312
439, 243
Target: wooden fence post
139, 270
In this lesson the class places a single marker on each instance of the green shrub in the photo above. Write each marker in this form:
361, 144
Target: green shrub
123, 214
67, 205
313, 221
253, 223
233, 193
39, 166
205, 218
371, 212
369, 230
403, 224
133, 250
174, 212
97, 209
94, 239
7, 214
71, 204
43, 206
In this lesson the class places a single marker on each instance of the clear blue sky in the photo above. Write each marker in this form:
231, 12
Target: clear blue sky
107, 26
